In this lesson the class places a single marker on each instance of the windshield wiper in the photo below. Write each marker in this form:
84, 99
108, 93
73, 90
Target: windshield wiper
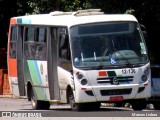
102, 57
126, 60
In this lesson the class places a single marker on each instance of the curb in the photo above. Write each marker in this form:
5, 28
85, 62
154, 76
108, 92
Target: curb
12, 96
5, 96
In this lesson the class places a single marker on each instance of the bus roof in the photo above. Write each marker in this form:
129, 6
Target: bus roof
70, 18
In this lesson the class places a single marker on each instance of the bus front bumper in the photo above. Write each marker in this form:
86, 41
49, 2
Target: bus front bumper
112, 93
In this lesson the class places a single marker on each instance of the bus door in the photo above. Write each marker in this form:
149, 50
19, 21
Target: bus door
20, 70
12, 62
15, 69
52, 64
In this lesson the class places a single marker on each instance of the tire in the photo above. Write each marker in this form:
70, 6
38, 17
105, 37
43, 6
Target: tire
156, 106
138, 105
82, 106
37, 104
74, 106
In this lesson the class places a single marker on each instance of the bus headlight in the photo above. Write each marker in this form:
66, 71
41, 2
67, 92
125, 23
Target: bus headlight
84, 82
145, 75
81, 78
146, 72
144, 78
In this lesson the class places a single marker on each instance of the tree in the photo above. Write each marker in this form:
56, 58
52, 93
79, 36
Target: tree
74, 5
37, 6
146, 11
5, 14
46, 6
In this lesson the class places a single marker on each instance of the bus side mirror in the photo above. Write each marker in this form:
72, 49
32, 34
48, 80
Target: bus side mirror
144, 31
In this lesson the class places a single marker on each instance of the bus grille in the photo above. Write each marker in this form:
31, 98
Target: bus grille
116, 92
121, 80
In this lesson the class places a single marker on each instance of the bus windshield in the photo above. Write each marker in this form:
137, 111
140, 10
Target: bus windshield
108, 44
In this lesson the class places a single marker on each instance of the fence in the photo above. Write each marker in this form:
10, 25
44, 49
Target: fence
4, 82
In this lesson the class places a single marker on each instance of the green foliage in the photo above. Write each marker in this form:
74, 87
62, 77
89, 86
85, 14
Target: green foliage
130, 11
36, 6
70, 5
46, 6
74, 5
40, 6
146, 11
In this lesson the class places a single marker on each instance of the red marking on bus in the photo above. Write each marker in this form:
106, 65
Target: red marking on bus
77, 73
117, 98
102, 73
145, 84
12, 67
13, 21
83, 88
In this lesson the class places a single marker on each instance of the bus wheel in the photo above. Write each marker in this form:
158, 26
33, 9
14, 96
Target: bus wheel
138, 105
74, 106
37, 104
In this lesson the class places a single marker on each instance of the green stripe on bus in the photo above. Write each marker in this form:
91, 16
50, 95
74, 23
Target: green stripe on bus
19, 20
35, 80
111, 73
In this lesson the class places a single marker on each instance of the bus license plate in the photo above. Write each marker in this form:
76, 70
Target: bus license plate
117, 98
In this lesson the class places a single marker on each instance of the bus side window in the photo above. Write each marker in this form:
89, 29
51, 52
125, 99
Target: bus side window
64, 52
13, 40
42, 34
30, 34
29, 45
41, 44
40, 52
64, 49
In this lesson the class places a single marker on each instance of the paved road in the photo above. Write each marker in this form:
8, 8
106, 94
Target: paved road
23, 108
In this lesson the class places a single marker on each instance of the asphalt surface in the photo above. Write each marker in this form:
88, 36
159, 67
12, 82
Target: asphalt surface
20, 106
